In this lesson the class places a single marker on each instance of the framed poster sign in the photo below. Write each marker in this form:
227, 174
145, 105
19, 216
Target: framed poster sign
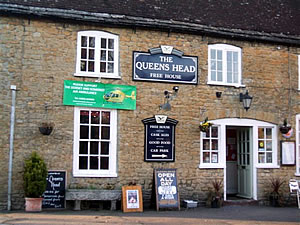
166, 190
54, 196
288, 153
159, 139
132, 199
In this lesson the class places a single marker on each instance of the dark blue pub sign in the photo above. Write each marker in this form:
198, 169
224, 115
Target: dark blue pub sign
159, 139
165, 64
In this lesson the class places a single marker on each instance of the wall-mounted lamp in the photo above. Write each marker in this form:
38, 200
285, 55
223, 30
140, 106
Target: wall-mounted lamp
246, 99
218, 94
169, 95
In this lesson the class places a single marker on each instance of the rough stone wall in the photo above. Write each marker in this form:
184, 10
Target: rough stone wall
37, 56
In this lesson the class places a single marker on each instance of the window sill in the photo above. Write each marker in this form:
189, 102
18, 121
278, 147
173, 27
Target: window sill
267, 166
226, 84
297, 174
210, 166
96, 75
96, 175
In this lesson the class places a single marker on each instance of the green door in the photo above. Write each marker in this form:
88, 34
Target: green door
245, 162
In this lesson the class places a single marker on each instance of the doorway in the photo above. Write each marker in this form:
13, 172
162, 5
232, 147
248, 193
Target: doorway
239, 162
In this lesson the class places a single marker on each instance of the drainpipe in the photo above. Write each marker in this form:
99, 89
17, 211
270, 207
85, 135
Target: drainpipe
13, 89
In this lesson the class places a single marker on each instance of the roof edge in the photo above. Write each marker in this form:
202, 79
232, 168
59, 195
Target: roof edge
169, 25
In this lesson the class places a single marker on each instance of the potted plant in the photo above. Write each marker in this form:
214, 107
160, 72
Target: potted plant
46, 128
285, 127
35, 175
215, 196
275, 197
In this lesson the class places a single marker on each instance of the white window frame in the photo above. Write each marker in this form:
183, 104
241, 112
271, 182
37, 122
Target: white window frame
297, 134
299, 72
112, 171
98, 35
225, 48
220, 163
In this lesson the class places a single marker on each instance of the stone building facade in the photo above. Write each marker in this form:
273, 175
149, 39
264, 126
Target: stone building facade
39, 54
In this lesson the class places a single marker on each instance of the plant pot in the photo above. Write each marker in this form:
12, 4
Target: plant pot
284, 130
46, 130
274, 201
33, 204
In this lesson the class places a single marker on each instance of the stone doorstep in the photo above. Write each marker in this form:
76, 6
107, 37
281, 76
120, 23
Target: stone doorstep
79, 195
241, 202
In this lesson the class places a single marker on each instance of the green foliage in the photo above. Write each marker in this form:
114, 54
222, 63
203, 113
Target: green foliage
35, 175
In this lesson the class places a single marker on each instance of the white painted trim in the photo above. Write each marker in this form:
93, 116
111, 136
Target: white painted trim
225, 48
112, 172
98, 35
254, 124
299, 72
297, 134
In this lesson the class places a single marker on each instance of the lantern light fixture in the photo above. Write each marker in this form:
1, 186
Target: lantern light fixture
246, 99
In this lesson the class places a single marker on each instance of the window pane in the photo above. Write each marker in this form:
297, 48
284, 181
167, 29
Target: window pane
214, 158
105, 117
206, 157
219, 54
103, 43
269, 133
91, 54
91, 66
235, 57
84, 116
229, 56
83, 162
111, 43
206, 145
261, 145
104, 163
102, 67
105, 132
92, 42
261, 158
104, 148
94, 149
83, 53
103, 55
269, 145
213, 65
94, 164
214, 144
213, 75
213, 54
219, 66
95, 117
229, 77
220, 76
83, 147
110, 56
82, 65
94, 132
84, 132
260, 133
110, 67
214, 132
269, 157
83, 41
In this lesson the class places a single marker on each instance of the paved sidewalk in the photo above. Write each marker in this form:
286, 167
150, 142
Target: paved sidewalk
235, 215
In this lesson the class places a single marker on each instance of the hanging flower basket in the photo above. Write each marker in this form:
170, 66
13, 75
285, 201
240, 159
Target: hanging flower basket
205, 125
285, 127
46, 128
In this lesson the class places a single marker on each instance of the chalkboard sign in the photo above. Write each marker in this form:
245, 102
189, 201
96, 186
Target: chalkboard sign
159, 139
166, 190
54, 196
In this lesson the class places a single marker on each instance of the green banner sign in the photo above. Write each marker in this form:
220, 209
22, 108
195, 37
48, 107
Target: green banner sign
100, 95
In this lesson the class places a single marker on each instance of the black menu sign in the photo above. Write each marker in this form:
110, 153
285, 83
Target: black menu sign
166, 190
54, 196
160, 139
